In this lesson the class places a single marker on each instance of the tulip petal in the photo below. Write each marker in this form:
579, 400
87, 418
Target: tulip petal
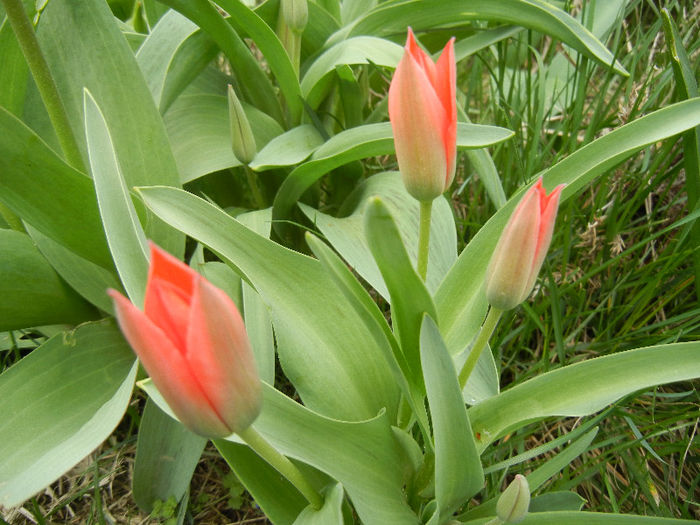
170, 269
446, 89
220, 353
549, 204
168, 369
169, 309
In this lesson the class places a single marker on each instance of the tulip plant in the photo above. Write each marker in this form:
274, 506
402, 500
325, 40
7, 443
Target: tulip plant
188, 190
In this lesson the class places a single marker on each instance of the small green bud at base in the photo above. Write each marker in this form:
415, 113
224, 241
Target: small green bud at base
242, 138
513, 504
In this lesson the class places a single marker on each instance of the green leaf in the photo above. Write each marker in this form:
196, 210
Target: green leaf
362, 456
253, 81
57, 200
359, 143
278, 498
687, 88
330, 514
460, 292
246, 21
583, 388
314, 323
199, 131
31, 293
409, 297
60, 402
85, 277
172, 55
166, 456
589, 518
458, 472
90, 32
125, 236
358, 50
533, 14
287, 149
15, 72
549, 501
347, 235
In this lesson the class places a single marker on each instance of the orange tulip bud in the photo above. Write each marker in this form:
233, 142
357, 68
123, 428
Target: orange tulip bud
423, 115
520, 251
191, 340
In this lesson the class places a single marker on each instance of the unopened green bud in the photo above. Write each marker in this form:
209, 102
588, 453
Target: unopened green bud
295, 14
242, 138
513, 504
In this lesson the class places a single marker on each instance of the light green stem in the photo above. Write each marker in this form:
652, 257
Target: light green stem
285, 467
484, 335
26, 37
252, 178
424, 238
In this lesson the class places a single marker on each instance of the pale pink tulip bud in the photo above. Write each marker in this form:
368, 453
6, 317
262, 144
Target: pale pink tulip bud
520, 251
513, 504
191, 340
423, 115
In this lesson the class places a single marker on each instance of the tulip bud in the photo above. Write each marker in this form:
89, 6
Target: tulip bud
242, 139
520, 251
513, 504
295, 14
423, 115
191, 340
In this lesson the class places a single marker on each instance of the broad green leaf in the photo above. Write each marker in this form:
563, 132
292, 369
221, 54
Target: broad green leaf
199, 131
359, 143
15, 72
358, 50
458, 472
31, 293
173, 54
100, 60
363, 456
287, 149
244, 20
461, 289
253, 81
376, 324
533, 14
47, 193
166, 456
125, 236
60, 402
687, 87
330, 514
313, 321
583, 388
278, 498
589, 518
347, 234
87, 278
409, 297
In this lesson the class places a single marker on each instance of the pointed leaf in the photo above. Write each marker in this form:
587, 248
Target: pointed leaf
60, 403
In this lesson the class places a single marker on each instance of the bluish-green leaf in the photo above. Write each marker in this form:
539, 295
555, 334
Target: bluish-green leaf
330, 514
287, 149
458, 472
60, 402
31, 293
125, 236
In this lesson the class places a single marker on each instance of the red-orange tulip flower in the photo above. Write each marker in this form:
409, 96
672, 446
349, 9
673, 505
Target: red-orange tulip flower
191, 340
520, 251
423, 114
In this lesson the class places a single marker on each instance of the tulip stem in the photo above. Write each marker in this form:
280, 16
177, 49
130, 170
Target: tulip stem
27, 40
282, 464
487, 329
426, 208
252, 179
